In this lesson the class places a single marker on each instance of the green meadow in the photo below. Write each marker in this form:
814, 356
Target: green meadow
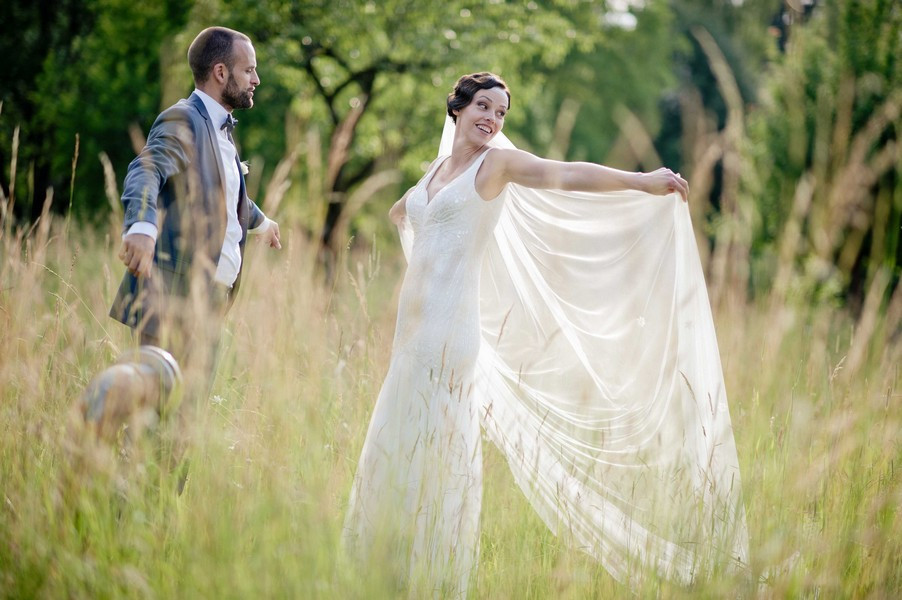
275, 446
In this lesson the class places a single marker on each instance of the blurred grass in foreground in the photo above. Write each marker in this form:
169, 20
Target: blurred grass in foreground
278, 443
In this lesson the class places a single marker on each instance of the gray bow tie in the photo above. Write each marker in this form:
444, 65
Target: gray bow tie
229, 125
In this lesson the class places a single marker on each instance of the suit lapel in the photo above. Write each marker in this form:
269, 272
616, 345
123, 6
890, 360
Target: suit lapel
242, 205
211, 138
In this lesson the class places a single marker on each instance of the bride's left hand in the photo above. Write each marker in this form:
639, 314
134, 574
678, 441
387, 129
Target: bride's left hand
663, 181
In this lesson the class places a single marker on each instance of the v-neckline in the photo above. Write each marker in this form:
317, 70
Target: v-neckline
444, 187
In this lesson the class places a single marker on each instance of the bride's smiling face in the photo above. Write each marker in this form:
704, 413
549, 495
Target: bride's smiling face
483, 117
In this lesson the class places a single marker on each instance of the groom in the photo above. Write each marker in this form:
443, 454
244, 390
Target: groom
187, 214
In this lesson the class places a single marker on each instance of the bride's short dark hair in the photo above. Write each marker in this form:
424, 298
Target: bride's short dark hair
467, 86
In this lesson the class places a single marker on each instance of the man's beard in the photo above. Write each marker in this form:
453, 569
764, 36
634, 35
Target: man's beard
236, 97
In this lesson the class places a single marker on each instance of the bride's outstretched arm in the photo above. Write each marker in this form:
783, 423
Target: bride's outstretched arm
528, 170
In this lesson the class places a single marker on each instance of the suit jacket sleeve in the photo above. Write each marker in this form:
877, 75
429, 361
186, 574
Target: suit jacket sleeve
256, 217
165, 154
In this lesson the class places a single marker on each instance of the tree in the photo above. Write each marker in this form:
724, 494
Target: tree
37, 36
601, 102
379, 72
85, 70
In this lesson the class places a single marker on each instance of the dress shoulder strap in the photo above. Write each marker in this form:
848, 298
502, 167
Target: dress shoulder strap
473, 169
480, 159
439, 161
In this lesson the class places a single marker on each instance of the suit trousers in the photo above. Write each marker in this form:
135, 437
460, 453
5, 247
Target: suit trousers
193, 338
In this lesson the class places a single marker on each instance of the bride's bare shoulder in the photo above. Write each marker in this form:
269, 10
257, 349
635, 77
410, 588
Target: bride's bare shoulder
506, 155
502, 160
494, 173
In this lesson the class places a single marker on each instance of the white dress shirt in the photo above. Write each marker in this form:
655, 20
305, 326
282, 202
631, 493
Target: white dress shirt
230, 260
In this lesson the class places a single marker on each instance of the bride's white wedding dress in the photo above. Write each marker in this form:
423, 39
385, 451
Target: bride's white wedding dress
575, 328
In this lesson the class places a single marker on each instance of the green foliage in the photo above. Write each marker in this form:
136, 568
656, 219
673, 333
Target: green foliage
93, 71
740, 31
830, 114
35, 34
629, 67
381, 71
118, 84
588, 79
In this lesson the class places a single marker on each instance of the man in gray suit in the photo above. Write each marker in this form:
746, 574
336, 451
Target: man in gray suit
187, 214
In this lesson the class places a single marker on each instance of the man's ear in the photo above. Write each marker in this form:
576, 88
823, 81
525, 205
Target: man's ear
220, 73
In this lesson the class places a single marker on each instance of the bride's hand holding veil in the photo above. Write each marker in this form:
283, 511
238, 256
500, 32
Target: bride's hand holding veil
664, 181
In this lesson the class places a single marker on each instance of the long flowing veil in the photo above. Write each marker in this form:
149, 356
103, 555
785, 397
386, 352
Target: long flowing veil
601, 378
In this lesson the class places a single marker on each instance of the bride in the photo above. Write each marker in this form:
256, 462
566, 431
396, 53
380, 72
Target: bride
562, 307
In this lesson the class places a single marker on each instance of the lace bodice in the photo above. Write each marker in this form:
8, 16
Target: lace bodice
438, 312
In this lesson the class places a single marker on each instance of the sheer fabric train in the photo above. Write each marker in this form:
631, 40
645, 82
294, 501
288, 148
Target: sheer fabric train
599, 378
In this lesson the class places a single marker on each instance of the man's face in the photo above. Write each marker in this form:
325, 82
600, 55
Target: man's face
239, 89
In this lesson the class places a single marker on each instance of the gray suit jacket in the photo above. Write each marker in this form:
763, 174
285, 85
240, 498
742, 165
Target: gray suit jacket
177, 183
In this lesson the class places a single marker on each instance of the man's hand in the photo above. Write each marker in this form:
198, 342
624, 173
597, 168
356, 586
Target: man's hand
136, 253
271, 236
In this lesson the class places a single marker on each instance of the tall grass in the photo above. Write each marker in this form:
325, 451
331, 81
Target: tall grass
277, 444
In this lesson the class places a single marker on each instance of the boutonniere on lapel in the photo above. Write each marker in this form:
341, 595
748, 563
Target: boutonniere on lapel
245, 167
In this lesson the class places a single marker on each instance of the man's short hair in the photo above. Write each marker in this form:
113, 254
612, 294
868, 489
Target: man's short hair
212, 46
